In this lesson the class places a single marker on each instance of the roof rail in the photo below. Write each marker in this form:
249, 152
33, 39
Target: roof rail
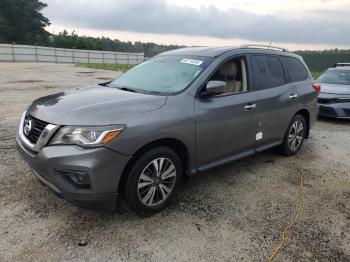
341, 64
265, 47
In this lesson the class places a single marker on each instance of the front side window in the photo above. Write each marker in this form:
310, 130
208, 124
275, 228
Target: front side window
294, 68
162, 74
233, 72
267, 72
337, 77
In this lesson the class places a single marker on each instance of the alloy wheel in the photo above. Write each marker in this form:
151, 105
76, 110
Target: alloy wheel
156, 181
296, 135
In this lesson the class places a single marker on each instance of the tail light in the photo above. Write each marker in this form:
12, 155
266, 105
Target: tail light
317, 88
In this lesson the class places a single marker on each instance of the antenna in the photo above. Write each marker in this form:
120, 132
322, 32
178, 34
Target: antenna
268, 47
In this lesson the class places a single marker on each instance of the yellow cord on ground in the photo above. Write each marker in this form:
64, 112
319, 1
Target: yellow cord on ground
295, 218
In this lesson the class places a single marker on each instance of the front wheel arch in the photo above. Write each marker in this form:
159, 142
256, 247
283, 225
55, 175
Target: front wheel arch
131, 194
179, 147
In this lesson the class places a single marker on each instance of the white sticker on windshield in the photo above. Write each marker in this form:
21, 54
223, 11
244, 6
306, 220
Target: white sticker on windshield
191, 61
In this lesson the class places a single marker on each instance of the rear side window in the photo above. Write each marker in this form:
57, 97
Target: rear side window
295, 69
267, 72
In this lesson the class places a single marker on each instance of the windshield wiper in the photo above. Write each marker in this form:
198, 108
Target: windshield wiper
105, 83
134, 90
127, 89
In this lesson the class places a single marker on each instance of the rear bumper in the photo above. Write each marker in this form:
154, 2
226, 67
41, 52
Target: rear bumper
103, 166
335, 110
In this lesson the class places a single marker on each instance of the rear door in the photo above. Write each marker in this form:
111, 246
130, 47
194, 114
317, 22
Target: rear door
275, 103
298, 76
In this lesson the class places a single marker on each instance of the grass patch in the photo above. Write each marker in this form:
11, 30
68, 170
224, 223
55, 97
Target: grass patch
119, 68
315, 74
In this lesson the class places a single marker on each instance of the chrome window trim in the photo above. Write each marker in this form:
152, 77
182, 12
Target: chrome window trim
44, 137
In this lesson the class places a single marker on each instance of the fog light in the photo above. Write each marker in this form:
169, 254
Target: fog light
76, 178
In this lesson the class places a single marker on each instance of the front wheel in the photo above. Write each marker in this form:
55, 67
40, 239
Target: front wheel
294, 137
153, 180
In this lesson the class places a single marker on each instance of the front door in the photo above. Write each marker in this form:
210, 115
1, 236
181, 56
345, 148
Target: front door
225, 128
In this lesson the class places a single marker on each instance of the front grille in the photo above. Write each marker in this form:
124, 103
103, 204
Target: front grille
333, 100
326, 100
32, 128
327, 111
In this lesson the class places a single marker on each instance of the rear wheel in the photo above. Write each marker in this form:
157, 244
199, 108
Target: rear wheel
294, 137
153, 180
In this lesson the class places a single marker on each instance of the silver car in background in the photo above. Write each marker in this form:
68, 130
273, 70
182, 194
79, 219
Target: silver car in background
334, 98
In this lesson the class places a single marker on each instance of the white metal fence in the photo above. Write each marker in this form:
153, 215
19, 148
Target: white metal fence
28, 53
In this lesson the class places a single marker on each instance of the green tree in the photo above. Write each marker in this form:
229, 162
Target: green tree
73, 40
322, 59
21, 21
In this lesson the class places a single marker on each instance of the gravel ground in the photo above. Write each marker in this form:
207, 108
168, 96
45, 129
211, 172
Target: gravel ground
232, 213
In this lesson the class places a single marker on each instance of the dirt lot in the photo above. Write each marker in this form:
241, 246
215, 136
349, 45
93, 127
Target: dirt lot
233, 213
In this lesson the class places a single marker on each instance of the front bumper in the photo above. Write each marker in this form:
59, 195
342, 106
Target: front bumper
335, 110
103, 166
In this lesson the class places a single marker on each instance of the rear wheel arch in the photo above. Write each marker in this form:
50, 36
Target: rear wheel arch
293, 139
305, 113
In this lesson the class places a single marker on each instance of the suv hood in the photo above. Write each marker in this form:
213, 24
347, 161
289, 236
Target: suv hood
335, 89
93, 105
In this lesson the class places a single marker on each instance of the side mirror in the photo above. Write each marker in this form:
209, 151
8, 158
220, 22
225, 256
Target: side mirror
215, 88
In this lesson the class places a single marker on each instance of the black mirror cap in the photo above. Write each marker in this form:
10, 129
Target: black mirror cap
215, 88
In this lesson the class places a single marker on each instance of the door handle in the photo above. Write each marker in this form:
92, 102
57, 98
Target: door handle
292, 96
250, 106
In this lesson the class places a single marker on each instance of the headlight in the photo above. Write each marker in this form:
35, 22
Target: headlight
86, 136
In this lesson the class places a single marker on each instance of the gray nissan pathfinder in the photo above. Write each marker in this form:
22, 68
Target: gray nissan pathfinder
174, 115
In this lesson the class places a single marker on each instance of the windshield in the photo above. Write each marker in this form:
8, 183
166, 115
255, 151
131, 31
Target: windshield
338, 77
162, 74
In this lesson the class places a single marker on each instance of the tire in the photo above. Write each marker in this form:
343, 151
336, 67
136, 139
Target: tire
293, 141
147, 192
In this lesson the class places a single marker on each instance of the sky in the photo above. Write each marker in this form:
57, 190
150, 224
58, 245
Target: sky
293, 24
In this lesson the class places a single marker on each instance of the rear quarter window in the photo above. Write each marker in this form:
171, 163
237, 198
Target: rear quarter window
294, 69
267, 72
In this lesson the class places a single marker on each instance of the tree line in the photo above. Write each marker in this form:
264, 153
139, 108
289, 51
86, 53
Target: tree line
22, 22
321, 60
73, 40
